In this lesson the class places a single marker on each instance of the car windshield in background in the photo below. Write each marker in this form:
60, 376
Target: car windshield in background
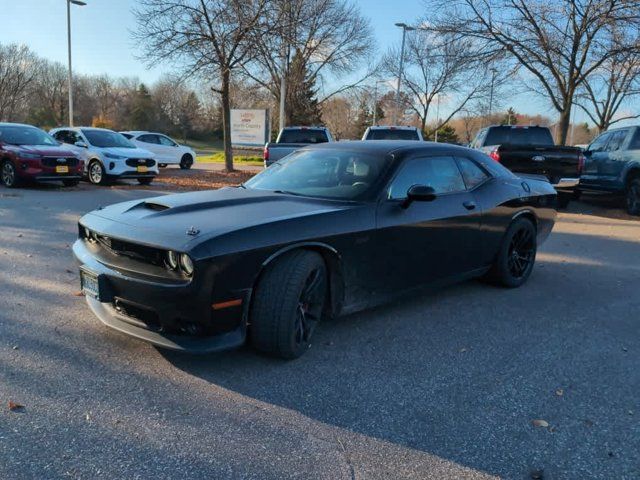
308, 135
19, 135
392, 134
105, 139
331, 174
518, 136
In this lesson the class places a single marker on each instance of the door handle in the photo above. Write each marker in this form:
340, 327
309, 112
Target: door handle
469, 205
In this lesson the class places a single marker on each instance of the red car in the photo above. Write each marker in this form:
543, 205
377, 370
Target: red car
28, 153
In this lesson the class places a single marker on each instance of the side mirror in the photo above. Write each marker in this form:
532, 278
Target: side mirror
80, 144
419, 193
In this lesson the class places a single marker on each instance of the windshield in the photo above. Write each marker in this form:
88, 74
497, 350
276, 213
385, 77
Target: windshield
336, 174
519, 136
392, 134
106, 138
25, 135
303, 135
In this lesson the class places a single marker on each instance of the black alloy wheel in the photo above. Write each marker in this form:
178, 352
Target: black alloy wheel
145, 181
186, 161
633, 197
516, 258
9, 175
288, 303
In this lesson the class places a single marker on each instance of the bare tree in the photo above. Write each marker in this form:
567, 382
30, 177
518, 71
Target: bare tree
437, 66
205, 37
616, 82
559, 43
330, 39
18, 70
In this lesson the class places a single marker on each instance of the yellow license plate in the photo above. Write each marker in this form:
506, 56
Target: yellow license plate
143, 169
62, 169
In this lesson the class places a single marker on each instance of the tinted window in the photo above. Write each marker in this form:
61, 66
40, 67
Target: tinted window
440, 173
616, 140
600, 142
306, 135
106, 138
478, 141
392, 134
473, 175
25, 135
149, 139
167, 142
518, 136
635, 142
323, 173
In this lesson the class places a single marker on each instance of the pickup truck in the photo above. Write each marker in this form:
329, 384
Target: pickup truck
291, 139
530, 150
392, 133
613, 165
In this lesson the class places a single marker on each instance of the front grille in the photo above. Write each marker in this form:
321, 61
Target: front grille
137, 312
140, 162
131, 250
58, 161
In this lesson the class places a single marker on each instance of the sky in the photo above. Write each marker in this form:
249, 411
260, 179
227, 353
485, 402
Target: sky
101, 36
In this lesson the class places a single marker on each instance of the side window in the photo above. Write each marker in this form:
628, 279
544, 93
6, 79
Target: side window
473, 175
440, 173
600, 142
477, 142
616, 140
167, 142
148, 139
635, 142
61, 136
73, 138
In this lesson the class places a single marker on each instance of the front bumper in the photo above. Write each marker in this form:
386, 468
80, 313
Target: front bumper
167, 313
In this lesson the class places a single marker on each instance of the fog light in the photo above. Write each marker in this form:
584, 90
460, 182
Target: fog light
186, 264
172, 259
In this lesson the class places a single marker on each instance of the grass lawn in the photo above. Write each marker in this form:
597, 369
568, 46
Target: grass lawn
205, 147
237, 159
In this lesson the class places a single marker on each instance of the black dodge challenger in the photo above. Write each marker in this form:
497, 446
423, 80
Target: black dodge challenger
330, 229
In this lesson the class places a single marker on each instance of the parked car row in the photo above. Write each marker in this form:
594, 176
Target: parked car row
69, 154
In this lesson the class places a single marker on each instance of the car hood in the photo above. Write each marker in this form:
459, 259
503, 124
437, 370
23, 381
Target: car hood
44, 150
183, 221
126, 152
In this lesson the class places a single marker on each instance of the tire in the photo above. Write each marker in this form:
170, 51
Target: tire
9, 174
186, 161
96, 173
70, 183
289, 302
145, 181
633, 197
517, 255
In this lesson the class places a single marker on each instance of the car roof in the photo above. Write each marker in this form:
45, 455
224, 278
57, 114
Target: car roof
392, 127
386, 147
138, 132
11, 124
84, 128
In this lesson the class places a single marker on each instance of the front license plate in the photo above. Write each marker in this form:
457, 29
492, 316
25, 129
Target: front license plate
143, 169
89, 283
62, 169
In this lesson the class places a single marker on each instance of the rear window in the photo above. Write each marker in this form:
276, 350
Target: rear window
307, 135
518, 136
392, 134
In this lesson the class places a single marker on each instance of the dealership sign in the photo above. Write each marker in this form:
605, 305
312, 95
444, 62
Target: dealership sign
249, 127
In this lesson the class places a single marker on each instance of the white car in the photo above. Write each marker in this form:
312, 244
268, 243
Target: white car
108, 155
392, 132
166, 150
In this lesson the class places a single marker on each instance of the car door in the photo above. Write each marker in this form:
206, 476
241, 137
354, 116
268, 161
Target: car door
427, 242
170, 149
151, 142
595, 155
611, 168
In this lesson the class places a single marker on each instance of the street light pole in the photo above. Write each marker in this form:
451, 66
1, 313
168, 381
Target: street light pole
493, 79
405, 28
81, 4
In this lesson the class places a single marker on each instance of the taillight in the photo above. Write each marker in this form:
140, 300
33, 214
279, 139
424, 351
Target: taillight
581, 160
265, 153
495, 155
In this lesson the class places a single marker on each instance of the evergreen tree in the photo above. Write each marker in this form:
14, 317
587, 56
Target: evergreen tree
142, 109
446, 134
302, 104
364, 119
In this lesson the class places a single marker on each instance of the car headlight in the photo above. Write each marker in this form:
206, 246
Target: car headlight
187, 264
30, 156
172, 260
114, 156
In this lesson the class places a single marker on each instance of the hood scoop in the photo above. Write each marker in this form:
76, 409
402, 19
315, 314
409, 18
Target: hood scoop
156, 207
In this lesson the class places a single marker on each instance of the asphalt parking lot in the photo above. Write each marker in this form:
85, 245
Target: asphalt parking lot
440, 386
